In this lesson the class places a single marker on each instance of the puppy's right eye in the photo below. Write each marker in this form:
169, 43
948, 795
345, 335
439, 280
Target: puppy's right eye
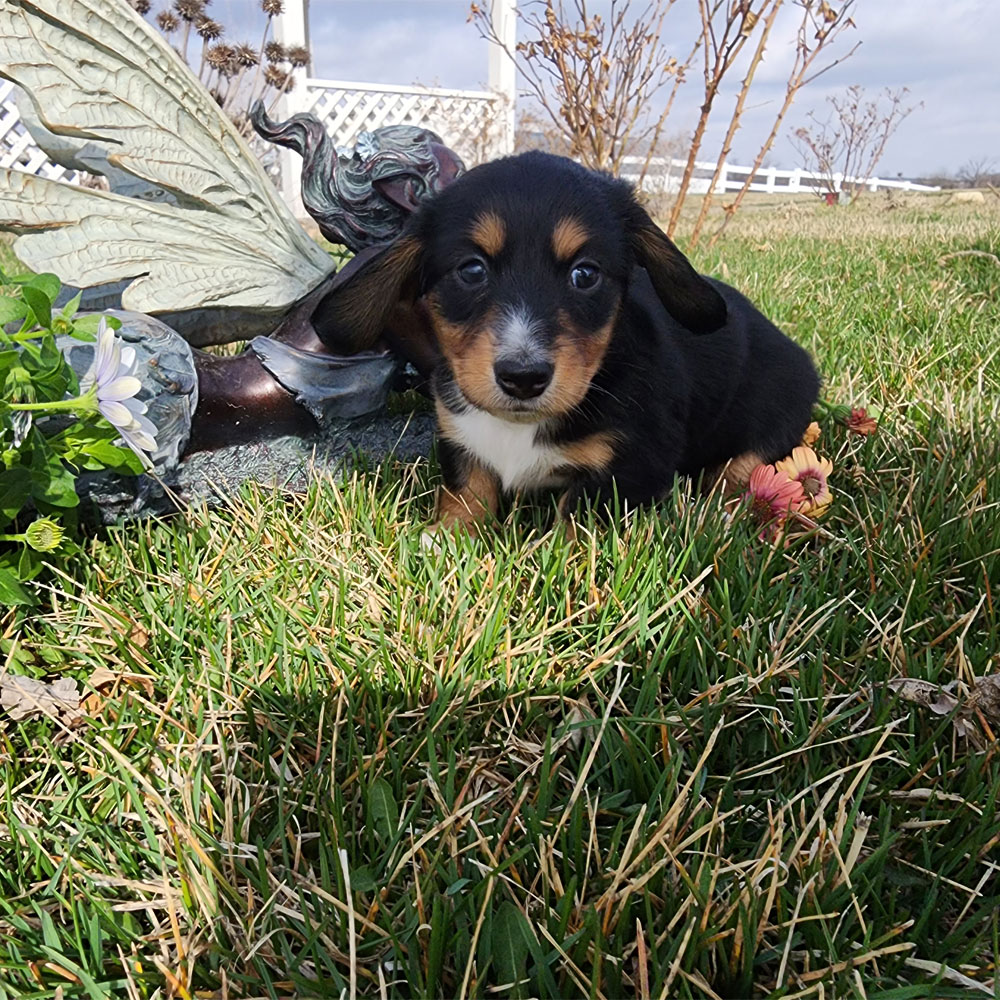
472, 271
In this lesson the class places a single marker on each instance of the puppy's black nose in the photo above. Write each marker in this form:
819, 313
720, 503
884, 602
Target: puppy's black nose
523, 380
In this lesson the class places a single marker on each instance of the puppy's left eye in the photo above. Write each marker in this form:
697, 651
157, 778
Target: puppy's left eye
585, 275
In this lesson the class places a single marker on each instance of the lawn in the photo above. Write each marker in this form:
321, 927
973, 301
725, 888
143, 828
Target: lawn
661, 759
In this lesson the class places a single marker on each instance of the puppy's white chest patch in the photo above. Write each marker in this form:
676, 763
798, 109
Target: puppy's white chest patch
509, 449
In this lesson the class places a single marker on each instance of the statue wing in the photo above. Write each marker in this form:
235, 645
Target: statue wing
96, 71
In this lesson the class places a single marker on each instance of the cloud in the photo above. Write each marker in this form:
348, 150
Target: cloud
943, 50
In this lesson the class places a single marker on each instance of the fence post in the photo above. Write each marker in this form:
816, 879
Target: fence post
503, 70
291, 27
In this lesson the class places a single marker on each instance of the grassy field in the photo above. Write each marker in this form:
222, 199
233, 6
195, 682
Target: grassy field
663, 759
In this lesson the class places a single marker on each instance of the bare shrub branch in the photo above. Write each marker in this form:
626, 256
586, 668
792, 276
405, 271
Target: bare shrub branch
594, 78
819, 27
852, 140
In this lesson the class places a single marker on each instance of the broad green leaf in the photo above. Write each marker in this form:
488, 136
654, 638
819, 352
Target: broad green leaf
85, 327
15, 488
28, 566
12, 310
51, 481
39, 304
363, 879
383, 812
7, 361
11, 591
510, 945
47, 283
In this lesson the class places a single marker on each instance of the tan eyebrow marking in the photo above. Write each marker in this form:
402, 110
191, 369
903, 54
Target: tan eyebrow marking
569, 235
489, 232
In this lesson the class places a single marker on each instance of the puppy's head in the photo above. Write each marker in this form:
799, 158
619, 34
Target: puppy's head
524, 264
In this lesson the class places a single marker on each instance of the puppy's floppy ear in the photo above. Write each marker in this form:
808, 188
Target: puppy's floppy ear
353, 315
685, 294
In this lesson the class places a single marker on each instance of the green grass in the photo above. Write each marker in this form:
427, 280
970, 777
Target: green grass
661, 759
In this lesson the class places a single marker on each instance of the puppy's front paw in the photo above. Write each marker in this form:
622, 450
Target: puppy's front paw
432, 537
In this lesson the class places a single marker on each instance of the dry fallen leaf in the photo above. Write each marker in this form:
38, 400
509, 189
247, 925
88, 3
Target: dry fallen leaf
102, 679
985, 696
22, 697
981, 698
925, 693
106, 682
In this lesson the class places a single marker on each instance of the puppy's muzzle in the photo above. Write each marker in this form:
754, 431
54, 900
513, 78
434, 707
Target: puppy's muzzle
523, 379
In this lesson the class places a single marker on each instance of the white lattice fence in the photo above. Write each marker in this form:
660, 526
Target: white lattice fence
17, 148
468, 121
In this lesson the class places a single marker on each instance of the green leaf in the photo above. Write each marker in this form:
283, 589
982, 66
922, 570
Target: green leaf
39, 304
7, 361
69, 310
47, 283
11, 591
11, 310
29, 564
383, 812
510, 945
85, 327
51, 481
363, 879
91, 445
15, 488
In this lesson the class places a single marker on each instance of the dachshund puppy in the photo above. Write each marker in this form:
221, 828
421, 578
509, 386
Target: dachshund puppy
574, 345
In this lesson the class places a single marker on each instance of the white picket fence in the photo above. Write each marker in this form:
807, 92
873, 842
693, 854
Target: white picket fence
664, 177
467, 120
473, 123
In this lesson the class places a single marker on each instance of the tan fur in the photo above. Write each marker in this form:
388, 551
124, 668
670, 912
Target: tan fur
489, 233
594, 452
471, 504
577, 356
470, 353
734, 476
568, 237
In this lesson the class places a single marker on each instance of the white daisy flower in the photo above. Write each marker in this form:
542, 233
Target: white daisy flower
113, 373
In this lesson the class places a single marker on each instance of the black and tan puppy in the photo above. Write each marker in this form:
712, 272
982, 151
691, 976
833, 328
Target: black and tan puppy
574, 345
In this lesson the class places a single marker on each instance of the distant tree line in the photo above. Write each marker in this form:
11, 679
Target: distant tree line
982, 171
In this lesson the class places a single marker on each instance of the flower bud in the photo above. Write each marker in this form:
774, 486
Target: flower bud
44, 535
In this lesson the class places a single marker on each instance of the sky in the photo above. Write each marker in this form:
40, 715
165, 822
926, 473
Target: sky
942, 50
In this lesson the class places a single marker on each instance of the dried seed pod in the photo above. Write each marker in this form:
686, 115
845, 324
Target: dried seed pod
189, 10
298, 55
209, 29
275, 52
167, 21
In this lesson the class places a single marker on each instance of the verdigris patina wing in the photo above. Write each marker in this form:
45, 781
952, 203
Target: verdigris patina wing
95, 70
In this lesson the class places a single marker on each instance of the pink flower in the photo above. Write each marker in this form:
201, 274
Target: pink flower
771, 497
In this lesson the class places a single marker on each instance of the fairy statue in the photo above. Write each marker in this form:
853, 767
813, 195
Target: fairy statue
193, 239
